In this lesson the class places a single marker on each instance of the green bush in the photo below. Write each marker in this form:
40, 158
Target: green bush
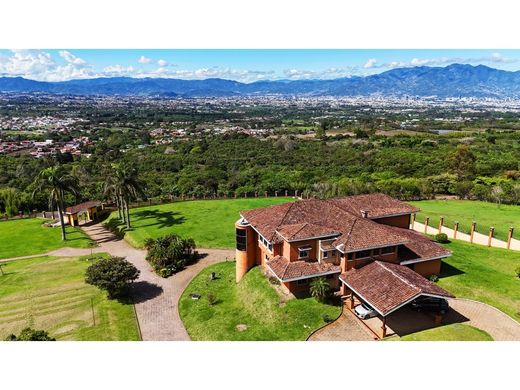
442, 238
169, 254
327, 318
212, 299
517, 271
113, 275
29, 334
434, 278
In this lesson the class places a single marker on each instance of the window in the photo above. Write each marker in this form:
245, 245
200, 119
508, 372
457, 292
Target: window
325, 254
265, 243
241, 236
350, 256
301, 282
362, 254
334, 253
376, 251
388, 249
303, 252
330, 276
266, 257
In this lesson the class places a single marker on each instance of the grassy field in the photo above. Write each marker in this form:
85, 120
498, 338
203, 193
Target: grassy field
26, 237
209, 222
483, 274
452, 332
253, 303
50, 294
466, 211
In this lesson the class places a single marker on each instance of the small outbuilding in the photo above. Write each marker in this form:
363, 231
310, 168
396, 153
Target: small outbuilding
91, 209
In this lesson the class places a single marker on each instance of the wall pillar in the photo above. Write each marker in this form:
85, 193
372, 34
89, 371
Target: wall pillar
383, 328
509, 237
472, 231
441, 224
455, 229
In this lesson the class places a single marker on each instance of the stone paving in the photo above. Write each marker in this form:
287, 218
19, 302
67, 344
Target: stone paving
345, 328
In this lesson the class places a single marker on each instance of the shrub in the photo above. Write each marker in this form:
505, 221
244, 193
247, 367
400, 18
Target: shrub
170, 253
434, 278
327, 318
517, 272
320, 288
273, 280
212, 299
29, 334
112, 275
442, 238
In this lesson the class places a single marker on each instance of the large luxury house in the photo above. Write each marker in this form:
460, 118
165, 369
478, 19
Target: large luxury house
336, 239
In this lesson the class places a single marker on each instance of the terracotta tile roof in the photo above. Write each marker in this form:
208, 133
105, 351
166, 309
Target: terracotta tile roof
287, 270
376, 205
420, 246
314, 217
387, 286
82, 206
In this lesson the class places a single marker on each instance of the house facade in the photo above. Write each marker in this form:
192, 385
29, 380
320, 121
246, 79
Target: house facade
296, 242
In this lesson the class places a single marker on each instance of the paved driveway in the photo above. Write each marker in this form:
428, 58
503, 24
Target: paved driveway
345, 328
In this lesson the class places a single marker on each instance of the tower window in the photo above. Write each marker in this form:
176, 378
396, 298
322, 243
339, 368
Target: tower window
241, 236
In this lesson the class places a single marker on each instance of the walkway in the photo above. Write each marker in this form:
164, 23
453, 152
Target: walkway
155, 298
478, 238
345, 328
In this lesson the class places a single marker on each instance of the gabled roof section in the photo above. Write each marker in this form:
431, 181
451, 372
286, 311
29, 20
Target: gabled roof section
313, 218
387, 287
375, 205
286, 270
82, 207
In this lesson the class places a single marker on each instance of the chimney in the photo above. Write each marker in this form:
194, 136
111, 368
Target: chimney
364, 213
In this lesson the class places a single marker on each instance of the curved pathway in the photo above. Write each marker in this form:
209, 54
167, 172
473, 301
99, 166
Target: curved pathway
155, 298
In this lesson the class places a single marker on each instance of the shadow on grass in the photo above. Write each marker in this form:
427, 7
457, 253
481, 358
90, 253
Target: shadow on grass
448, 270
161, 219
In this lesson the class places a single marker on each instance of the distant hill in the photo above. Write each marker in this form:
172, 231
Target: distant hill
451, 81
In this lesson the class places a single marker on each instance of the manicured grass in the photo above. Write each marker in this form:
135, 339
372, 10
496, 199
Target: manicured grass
483, 274
26, 237
49, 293
252, 302
466, 211
209, 222
452, 332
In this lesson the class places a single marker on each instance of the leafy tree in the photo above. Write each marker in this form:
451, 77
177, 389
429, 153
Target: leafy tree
462, 162
112, 275
58, 182
10, 197
319, 288
169, 254
29, 334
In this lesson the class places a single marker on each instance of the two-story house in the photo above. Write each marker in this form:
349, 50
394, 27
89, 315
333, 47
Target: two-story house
305, 239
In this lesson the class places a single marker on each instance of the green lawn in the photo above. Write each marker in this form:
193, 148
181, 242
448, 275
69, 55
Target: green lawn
26, 237
49, 293
452, 332
466, 211
209, 222
252, 302
483, 274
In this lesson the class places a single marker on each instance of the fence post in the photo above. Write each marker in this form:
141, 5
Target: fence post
473, 228
286, 193
509, 237
426, 222
491, 234
265, 194
441, 224
455, 229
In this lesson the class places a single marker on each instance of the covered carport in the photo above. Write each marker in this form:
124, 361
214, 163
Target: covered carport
387, 288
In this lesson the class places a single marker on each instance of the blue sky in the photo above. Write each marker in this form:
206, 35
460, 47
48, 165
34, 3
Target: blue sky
241, 65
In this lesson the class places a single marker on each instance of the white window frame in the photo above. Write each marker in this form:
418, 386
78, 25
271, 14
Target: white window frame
306, 249
266, 244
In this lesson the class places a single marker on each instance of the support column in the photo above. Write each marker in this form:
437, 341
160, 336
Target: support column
472, 232
350, 303
383, 328
441, 224
426, 222
412, 224
455, 229
491, 234
509, 237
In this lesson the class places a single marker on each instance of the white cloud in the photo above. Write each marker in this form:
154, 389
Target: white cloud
329, 73
162, 63
118, 70
144, 60
71, 58
370, 63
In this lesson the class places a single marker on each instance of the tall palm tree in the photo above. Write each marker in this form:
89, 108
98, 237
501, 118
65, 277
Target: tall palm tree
124, 184
58, 182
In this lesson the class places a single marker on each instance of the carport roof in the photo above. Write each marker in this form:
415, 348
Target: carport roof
387, 287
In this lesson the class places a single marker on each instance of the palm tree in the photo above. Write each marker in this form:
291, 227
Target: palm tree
59, 182
124, 185
319, 288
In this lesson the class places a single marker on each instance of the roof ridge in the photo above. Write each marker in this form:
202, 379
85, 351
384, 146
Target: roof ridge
397, 275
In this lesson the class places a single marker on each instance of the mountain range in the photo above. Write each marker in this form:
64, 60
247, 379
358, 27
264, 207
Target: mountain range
456, 80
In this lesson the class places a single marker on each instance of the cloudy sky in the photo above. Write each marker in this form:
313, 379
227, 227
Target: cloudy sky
241, 65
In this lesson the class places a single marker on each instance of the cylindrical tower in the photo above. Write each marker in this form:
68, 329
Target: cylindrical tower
245, 248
